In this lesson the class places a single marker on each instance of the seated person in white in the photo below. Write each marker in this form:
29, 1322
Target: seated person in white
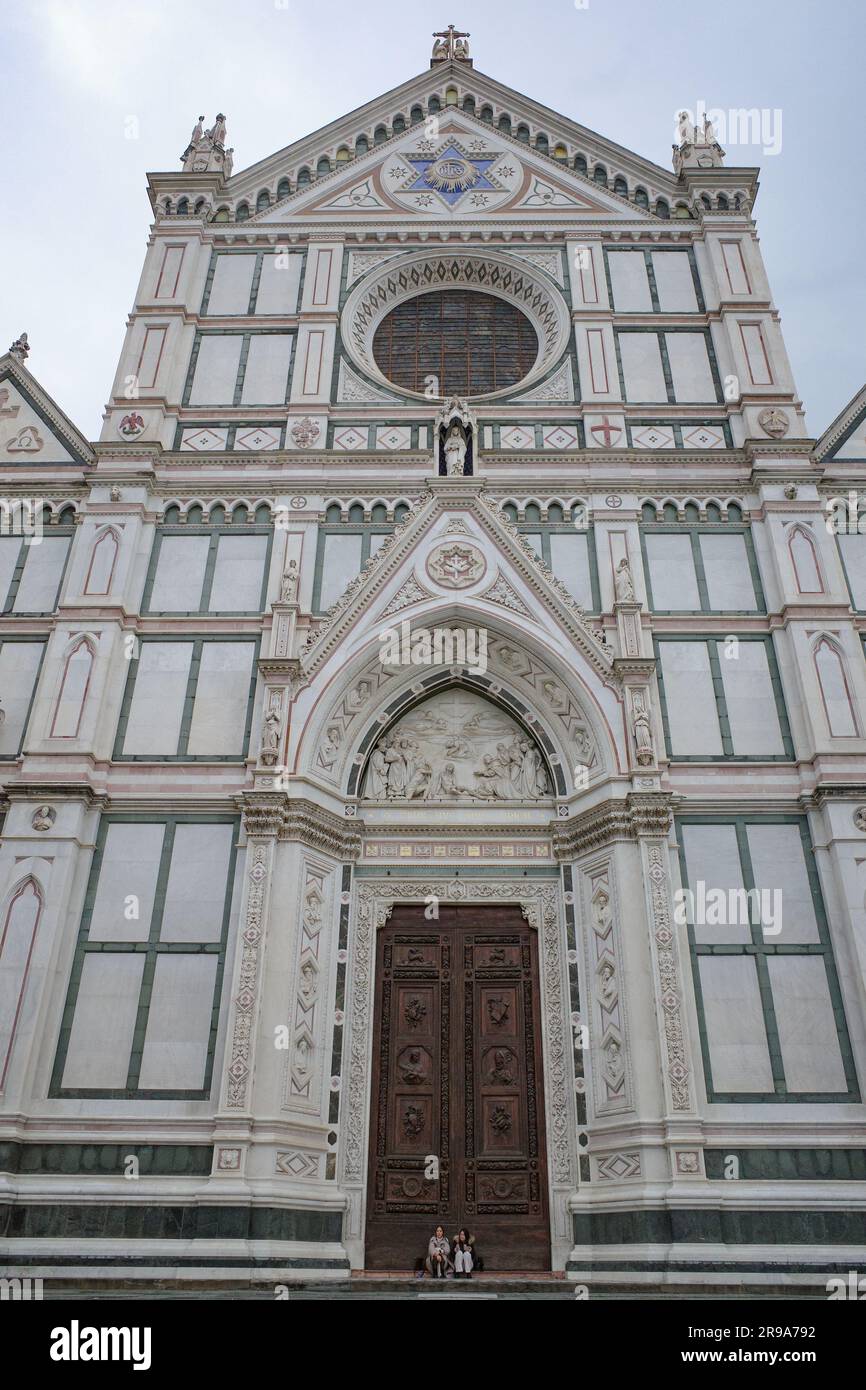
462, 1254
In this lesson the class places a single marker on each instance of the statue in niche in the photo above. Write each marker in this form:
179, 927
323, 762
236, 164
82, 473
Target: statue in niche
454, 435
624, 583
43, 817
642, 735
455, 452
270, 745
289, 583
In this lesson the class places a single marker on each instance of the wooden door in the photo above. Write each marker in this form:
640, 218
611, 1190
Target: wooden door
457, 1085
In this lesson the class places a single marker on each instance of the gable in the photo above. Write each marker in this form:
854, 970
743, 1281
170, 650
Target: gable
28, 434
845, 438
453, 165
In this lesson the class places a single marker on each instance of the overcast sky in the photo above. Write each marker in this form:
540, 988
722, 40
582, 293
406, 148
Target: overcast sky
81, 76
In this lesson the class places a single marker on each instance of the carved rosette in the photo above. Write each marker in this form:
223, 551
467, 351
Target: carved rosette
456, 565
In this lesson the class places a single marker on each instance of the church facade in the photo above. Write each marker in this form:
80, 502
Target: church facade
433, 732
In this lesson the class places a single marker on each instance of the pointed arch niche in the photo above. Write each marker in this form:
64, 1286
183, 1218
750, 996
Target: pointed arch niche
17, 936
804, 559
77, 670
103, 559
835, 689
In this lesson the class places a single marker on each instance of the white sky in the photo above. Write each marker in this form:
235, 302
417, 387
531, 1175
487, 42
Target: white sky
76, 213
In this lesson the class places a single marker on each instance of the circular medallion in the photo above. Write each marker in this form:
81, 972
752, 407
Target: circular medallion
456, 566
774, 422
451, 174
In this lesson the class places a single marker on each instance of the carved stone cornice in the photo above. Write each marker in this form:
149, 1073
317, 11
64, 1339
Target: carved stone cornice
283, 668
634, 667
264, 813
847, 791
650, 813
275, 815
319, 829
57, 791
640, 814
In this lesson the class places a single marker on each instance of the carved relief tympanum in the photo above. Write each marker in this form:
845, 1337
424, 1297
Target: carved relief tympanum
456, 747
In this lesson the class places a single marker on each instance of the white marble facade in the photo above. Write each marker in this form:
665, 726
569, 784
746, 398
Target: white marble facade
265, 673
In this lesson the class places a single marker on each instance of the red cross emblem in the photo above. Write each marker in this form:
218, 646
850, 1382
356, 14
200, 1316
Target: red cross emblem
606, 431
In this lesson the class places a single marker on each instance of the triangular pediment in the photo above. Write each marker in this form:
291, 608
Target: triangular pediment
33, 429
554, 157
845, 438
455, 546
464, 170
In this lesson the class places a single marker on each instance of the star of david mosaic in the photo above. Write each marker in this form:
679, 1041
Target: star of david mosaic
452, 172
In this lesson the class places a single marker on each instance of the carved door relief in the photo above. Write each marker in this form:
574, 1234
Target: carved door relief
457, 1108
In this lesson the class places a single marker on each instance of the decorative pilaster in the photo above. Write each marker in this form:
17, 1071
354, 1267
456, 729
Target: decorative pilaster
674, 1050
263, 821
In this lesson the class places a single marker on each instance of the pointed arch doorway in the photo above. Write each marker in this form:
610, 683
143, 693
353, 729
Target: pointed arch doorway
457, 1122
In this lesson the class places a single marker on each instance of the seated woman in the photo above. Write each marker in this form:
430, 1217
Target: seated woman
463, 1253
438, 1261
